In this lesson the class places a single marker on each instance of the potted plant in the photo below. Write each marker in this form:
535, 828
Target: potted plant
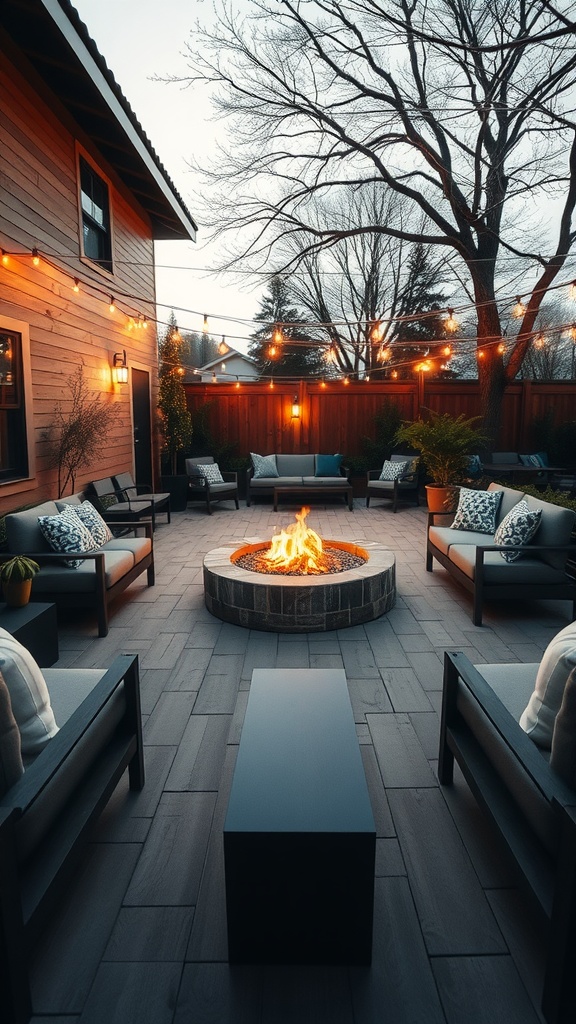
445, 443
16, 575
175, 418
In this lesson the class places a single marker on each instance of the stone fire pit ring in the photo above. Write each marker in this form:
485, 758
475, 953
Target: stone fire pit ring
301, 604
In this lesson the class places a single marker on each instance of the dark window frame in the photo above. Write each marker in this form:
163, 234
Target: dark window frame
14, 453
95, 211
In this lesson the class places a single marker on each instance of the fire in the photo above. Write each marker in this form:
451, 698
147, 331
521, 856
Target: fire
296, 548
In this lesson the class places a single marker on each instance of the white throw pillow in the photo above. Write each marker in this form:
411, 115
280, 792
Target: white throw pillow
477, 510
213, 474
66, 532
518, 527
393, 470
28, 695
558, 661
93, 522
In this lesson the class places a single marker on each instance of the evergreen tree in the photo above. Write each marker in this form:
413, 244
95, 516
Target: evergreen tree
422, 337
277, 315
176, 421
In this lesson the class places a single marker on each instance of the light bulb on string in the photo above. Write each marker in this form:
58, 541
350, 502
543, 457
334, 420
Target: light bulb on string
237, 385
519, 309
5, 258
394, 374
346, 380
447, 351
480, 353
323, 384
451, 324
384, 353
377, 331
539, 341
272, 351
205, 324
271, 385
222, 347
112, 306
76, 285
572, 291
176, 334
501, 348
278, 336
35, 257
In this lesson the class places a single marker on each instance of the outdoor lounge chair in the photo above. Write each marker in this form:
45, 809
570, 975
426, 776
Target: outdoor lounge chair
143, 492
114, 506
201, 488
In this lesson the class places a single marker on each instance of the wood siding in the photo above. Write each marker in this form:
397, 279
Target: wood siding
39, 208
337, 417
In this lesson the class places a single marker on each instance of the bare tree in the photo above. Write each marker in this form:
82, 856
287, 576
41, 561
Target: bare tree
355, 92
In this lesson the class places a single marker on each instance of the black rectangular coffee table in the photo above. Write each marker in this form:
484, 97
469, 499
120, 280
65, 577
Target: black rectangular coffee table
35, 626
299, 835
303, 491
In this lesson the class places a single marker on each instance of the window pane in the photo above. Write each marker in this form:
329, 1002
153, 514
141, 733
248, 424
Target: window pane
95, 216
13, 442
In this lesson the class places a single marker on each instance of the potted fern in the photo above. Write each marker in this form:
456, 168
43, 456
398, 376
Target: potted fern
16, 575
445, 443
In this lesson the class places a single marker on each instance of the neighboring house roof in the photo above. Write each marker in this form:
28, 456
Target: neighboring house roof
226, 358
59, 47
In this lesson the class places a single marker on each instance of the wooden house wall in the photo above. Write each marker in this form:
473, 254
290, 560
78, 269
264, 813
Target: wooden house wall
39, 208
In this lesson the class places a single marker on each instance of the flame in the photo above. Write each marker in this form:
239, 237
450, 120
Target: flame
297, 547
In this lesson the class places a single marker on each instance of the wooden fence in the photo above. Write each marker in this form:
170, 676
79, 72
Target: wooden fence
336, 417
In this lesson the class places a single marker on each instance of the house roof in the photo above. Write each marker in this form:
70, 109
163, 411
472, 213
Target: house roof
226, 357
60, 49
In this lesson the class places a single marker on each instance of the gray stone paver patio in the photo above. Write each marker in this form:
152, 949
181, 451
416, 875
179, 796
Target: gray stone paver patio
142, 936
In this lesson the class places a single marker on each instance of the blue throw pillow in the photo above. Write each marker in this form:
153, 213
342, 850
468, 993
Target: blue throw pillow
328, 465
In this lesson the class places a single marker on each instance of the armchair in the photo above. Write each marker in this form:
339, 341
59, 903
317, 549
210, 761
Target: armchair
402, 488
202, 488
132, 492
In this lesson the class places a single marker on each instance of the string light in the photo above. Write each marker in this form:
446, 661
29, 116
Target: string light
35, 257
572, 332
480, 353
377, 331
447, 350
205, 324
5, 258
346, 380
272, 351
501, 348
539, 341
278, 336
76, 285
271, 384
394, 374
223, 347
519, 309
112, 306
572, 291
451, 324
323, 384
384, 353
176, 334
237, 385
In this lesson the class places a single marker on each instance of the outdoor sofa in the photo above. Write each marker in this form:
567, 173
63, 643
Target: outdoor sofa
66, 738
474, 556
305, 474
512, 730
105, 571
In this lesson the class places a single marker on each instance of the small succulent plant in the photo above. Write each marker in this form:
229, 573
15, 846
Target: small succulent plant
18, 569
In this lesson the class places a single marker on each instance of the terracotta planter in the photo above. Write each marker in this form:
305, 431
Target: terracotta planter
17, 594
441, 499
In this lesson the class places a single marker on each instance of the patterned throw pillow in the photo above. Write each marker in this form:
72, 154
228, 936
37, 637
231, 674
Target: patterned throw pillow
477, 510
393, 470
518, 527
212, 473
66, 532
264, 465
93, 522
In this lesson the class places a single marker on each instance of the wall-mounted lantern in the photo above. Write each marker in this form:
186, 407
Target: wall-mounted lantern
120, 368
295, 408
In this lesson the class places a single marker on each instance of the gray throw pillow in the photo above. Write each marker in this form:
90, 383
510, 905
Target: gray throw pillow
264, 465
11, 767
518, 527
477, 510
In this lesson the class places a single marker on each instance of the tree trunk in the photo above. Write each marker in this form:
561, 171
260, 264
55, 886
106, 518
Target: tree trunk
491, 373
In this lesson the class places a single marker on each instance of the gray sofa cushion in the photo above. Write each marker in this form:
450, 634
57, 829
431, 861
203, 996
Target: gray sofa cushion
138, 546
324, 481
296, 465
496, 570
23, 532
443, 537
69, 687
556, 525
268, 483
512, 683
56, 579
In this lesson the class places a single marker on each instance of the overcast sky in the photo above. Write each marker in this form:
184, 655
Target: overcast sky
139, 39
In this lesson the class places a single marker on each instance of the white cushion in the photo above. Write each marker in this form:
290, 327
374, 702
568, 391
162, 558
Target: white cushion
477, 510
66, 532
264, 465
28, 695
393, 470
93, 522
539, 716
518, 527
213, 474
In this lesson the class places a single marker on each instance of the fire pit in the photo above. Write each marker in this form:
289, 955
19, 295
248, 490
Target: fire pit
299, 583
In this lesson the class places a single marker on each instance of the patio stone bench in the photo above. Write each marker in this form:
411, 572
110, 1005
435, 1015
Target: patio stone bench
525, 782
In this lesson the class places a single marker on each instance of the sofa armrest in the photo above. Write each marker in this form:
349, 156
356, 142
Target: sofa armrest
124, 668
230, 477
459, 671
